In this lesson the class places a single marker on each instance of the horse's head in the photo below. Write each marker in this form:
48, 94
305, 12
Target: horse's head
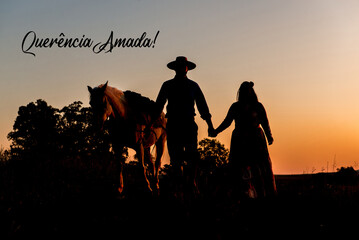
100, 105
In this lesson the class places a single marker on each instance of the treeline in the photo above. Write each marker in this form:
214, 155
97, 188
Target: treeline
58, 153
55, 152
43, 132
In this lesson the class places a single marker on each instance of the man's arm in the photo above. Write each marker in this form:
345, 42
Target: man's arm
204, 110
202, 105
161, 99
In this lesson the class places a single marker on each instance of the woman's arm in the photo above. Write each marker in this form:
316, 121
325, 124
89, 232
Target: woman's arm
265, 123
227, 121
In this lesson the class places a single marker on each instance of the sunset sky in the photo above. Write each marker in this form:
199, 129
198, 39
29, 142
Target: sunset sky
303, 57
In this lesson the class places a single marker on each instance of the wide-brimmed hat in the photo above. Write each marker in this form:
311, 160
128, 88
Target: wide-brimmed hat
179, 62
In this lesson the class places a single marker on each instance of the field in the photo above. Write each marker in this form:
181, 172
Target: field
77, 199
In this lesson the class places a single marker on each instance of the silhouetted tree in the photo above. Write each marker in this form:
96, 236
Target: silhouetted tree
165, 170
77, 135
72, 128
347, 171
43, 132
4, 155
213, 154
34, 132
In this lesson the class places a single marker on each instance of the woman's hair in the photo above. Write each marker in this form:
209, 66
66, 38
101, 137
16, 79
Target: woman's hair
246, 93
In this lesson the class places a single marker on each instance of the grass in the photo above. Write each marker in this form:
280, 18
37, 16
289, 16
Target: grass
79, 198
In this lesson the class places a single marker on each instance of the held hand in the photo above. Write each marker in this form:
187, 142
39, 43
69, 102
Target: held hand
212, 132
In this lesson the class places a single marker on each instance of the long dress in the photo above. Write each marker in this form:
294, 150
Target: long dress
250, 163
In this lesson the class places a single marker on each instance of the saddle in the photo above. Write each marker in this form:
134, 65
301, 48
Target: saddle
144, 110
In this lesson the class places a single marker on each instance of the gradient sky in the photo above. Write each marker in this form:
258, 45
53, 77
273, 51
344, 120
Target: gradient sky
302, 56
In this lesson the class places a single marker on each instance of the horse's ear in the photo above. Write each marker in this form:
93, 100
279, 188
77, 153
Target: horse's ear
103, 88
90, 89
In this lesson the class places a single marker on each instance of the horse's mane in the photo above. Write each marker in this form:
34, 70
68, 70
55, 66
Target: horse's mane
117, 99
135, 102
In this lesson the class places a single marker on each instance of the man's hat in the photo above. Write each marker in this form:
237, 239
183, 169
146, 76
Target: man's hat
181, 61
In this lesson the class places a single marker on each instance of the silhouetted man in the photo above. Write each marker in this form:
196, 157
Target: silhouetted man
182, 94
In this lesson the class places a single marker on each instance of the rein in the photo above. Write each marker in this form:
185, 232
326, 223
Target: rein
151, 130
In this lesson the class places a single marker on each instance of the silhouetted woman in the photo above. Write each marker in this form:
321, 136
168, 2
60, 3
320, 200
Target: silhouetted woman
250, 164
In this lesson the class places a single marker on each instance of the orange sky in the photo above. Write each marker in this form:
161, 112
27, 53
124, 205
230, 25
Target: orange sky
302, 56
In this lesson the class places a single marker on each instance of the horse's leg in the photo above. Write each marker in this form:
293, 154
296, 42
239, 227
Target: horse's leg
148, 159
160, 146
118, 153
121, 164
150, 164
141, 159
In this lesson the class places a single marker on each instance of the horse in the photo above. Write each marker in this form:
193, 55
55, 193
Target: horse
134, 121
